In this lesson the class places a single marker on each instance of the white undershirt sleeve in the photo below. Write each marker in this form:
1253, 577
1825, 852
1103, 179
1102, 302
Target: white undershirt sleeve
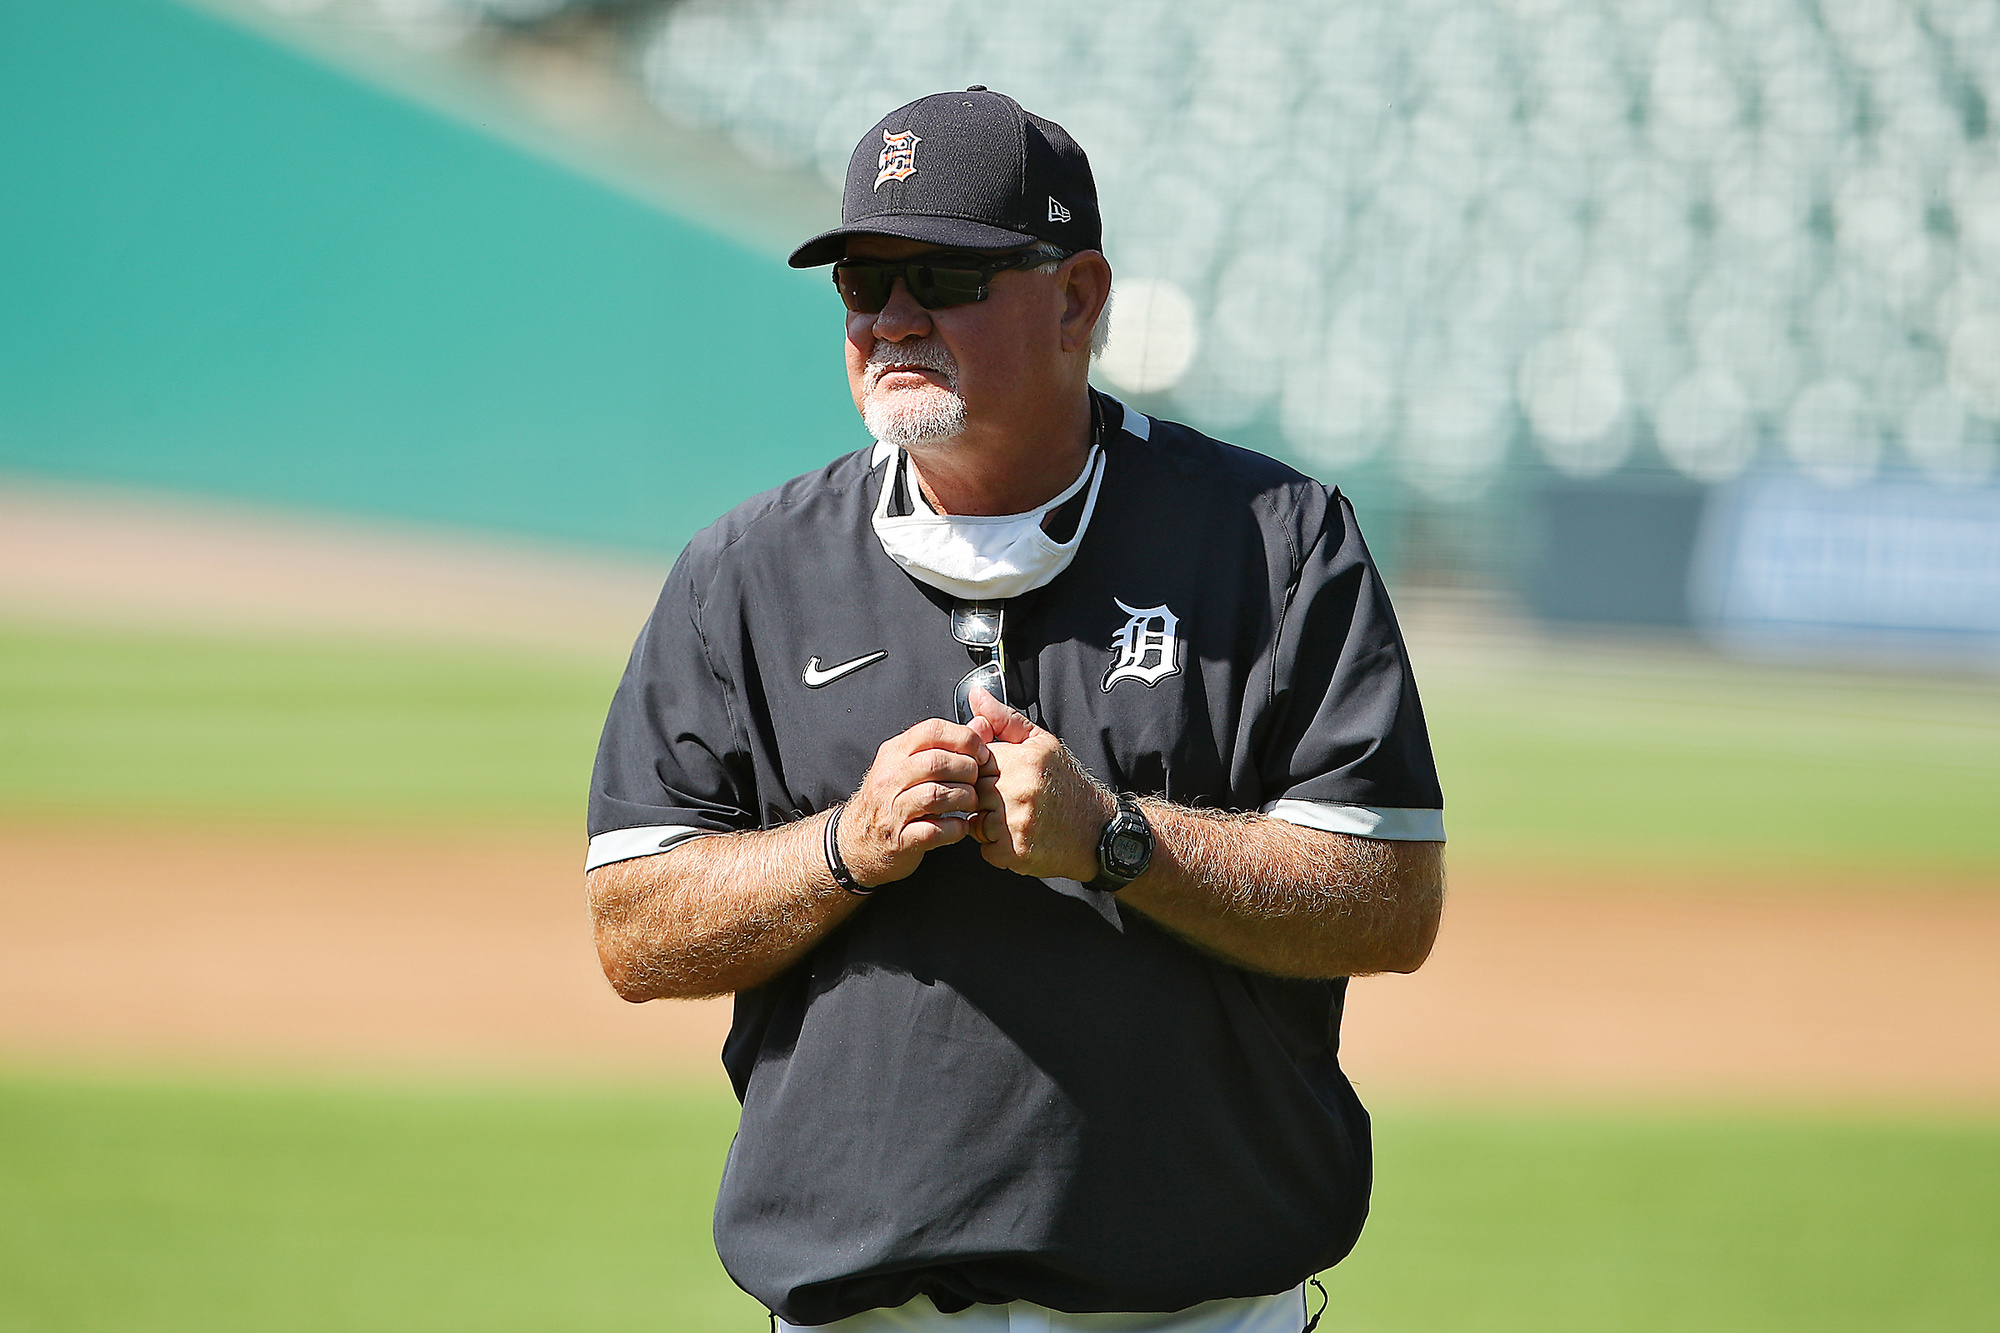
626, 844
1389, 823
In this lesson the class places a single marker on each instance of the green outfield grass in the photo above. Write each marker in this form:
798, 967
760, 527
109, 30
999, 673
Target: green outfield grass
1675, 761
140, 1206
1676, 758
136, 1207
180, 726
1523, 1222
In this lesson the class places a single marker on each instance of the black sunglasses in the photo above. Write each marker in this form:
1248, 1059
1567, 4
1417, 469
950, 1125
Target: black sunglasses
978, 626
935, 280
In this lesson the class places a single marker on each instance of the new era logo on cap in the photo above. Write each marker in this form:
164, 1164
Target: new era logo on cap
992, 177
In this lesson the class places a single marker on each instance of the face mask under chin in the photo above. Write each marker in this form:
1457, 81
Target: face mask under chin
979, 557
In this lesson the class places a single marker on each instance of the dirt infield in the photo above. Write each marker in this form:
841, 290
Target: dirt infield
343, 952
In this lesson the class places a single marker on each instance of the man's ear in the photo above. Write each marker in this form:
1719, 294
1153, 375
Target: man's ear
1085, 280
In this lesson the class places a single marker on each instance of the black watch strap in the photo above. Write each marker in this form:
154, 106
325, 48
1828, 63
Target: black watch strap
1124, 848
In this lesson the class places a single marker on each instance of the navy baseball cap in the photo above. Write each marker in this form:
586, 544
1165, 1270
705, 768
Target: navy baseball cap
970, 170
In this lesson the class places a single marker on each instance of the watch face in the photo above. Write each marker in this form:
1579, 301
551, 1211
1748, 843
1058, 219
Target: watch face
1127, 849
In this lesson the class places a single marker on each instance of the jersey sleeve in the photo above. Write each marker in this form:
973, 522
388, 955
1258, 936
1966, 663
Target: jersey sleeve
1345, 747
671, 763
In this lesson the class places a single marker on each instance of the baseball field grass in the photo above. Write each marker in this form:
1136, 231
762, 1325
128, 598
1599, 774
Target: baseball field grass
199, 729
1667, 759
143, 1205
183, 1200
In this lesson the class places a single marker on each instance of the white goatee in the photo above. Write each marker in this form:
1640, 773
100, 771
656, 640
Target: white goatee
912, 418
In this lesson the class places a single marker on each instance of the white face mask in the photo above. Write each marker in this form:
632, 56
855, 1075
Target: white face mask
977, 557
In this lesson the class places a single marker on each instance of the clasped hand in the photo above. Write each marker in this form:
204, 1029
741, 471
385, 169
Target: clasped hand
1001, 780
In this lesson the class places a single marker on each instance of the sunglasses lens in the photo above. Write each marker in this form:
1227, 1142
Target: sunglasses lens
937, 288
863, 287
976, 624
989, 678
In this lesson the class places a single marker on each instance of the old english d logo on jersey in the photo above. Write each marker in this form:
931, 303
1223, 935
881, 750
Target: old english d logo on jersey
899, 157
1147, 648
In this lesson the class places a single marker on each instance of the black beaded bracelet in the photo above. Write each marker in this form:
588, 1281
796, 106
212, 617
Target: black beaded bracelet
841, 874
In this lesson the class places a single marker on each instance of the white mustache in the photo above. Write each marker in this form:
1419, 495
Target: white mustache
929, 353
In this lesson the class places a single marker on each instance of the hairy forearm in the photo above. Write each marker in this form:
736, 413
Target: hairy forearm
716, 914
1289, 900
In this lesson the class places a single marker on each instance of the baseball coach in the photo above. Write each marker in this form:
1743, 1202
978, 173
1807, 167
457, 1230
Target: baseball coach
1034, 780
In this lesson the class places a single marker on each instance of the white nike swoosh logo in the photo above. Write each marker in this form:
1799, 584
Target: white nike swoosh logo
814, 677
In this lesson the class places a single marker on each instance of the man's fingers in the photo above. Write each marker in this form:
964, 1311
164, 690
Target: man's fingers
939, 782
1008, 725
926, 799
934, 733
916, 796
944, 766
989, 824
926, 835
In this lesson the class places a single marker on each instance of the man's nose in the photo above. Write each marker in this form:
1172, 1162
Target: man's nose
901, 317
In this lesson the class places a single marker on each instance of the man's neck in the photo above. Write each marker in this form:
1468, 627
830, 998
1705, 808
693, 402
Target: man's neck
990, 469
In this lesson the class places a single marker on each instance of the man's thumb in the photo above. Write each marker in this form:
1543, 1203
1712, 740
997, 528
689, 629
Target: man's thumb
1009, 725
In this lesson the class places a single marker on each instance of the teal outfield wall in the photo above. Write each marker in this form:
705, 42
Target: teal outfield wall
225, 268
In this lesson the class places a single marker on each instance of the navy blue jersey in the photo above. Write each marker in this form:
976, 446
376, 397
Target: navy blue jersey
983, 1087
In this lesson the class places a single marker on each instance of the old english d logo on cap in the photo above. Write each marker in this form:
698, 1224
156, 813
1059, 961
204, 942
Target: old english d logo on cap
899, 157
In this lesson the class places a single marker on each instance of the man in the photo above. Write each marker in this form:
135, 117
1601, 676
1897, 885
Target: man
1034, 780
